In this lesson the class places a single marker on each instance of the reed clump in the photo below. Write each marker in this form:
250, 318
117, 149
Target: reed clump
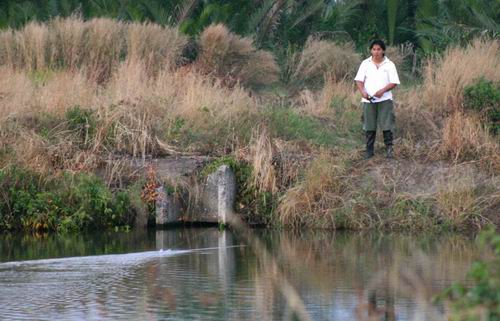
461, 202
314, 199
234, 59
321, 58
464, 138
96, 46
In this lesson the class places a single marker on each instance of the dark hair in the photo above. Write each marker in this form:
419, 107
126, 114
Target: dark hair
378, 42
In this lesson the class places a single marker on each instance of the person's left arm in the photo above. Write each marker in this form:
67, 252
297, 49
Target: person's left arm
388, 87
393, 81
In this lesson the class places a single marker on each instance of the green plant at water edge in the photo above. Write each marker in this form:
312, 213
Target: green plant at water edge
31, 202
484, 97
481, 301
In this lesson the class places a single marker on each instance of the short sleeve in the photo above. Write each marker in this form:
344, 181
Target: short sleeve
361, 75
393, 75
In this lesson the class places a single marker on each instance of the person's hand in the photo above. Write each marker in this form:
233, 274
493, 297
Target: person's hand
379, 93
364, 94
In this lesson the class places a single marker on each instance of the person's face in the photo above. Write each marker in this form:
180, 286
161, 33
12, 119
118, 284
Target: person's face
377, 52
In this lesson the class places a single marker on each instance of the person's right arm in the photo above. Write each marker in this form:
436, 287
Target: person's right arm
361, 88
360, 80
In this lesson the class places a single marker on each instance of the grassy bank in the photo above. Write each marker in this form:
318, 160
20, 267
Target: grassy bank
75, 94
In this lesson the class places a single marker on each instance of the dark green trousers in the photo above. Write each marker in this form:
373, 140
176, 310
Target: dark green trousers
379, 115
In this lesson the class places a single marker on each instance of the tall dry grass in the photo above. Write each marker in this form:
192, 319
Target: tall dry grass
96, 46
464, 138
399, 54
155, 46
312, 202
320, 103
445, 77
31, 46
133, 113
460, 201
320, 59
234, 59
68, 40
263, 152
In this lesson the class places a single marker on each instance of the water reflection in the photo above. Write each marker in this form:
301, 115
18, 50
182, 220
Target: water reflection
339, 276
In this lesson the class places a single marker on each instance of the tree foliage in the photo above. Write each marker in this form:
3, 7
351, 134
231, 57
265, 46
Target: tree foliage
428, 24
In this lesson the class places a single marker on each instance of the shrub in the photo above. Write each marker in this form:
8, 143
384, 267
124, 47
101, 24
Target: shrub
483, 96
234, 59
32, 202
320, 59
481, 299
155, 46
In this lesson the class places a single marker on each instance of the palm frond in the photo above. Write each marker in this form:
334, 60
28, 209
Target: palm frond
157, 12
258, 17
341, 13
270, 20
185, 10
313, 8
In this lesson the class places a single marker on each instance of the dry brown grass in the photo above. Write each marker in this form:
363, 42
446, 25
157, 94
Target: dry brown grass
446, 77
31, 46
155, 46
234, 59
96, 46
263, 150
461, 199
133, 113
103, 48
320, 59
319, 103
398, 54
464, 138
337, 102
314, 199
67, 42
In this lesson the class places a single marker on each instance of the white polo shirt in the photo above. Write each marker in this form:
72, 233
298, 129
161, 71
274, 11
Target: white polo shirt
377, 78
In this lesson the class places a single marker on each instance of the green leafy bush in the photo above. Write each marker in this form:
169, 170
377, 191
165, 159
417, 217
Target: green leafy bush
29, 201
481, 301
484, 97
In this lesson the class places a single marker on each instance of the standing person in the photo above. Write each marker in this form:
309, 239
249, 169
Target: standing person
375, 79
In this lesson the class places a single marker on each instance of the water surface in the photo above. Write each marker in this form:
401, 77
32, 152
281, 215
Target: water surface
207, 274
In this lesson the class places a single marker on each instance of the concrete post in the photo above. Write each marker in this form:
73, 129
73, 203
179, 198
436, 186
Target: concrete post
167, 207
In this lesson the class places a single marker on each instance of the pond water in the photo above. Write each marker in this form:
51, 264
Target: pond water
208, 274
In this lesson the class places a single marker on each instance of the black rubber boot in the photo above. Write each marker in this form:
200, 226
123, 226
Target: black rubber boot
370, 143
388, 141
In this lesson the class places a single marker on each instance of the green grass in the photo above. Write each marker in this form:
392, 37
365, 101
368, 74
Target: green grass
288, 124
